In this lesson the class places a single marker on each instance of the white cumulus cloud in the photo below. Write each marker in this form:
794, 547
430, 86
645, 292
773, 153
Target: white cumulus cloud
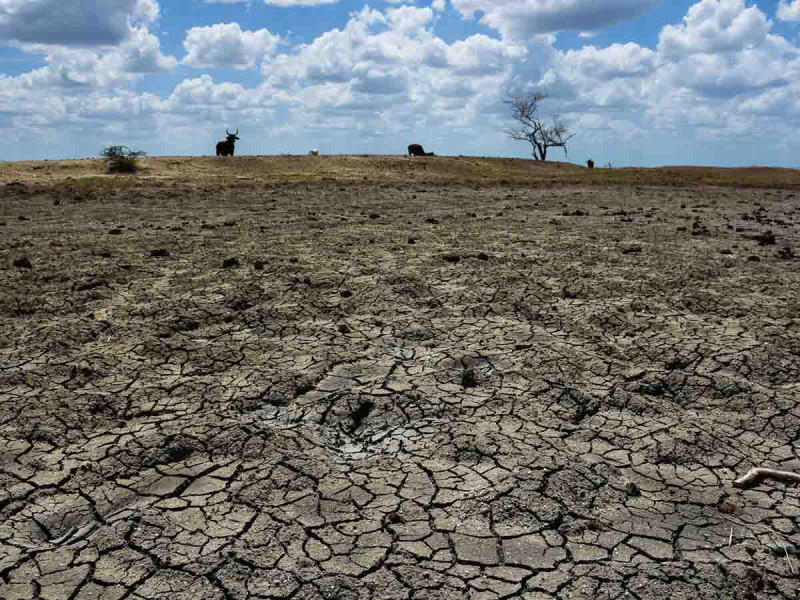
523, 18
226, 45
789, 10
74, 22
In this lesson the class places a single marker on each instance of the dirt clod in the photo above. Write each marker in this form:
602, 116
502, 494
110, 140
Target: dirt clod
469, 378
767, 238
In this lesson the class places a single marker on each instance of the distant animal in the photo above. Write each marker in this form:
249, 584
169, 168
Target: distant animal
417, 150
226, 147
313, 152
590, 163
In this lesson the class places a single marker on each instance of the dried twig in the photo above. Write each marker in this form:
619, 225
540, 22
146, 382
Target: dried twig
754, 476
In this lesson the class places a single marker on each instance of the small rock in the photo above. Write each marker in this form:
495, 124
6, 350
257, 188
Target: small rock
114, 231
766, 239
293, 259
452, 258
412, 241
229, 223
23, 263
345, 293
432, 221
632, 489
374, 216
258, 265
468, 378
159, 252
23, 218
753, 259
344, 328
230, 262
785, 253
208, 226
482, 256
632, 249
56, 202
89, 284
568, 294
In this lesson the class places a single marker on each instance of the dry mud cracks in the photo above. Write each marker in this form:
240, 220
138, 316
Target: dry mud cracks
397, 391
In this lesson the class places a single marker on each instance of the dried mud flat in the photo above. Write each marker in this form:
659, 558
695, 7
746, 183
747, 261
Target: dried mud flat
398, 389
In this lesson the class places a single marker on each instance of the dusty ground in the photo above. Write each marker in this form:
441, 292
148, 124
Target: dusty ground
452, 378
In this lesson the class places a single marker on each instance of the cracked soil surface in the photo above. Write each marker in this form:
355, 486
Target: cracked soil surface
398, 390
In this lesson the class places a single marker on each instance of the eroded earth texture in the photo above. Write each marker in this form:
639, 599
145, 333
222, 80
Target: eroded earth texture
398, 392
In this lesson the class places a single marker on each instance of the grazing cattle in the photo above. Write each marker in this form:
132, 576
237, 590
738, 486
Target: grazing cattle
313, 152
226, 147
590, 163
417, 150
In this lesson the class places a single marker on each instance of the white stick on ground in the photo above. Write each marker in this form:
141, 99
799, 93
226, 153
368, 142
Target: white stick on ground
754, 476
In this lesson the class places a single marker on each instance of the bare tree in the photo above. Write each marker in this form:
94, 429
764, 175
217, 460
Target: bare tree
533, 129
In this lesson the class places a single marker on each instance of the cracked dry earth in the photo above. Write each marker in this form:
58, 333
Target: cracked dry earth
398, 392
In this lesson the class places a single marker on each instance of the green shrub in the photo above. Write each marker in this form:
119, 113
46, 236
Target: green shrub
121, 159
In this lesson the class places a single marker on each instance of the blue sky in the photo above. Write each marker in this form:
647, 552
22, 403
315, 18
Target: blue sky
640, 82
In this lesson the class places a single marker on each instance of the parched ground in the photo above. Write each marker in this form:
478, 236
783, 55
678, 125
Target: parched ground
368, 377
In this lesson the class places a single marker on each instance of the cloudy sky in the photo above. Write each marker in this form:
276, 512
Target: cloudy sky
641, 82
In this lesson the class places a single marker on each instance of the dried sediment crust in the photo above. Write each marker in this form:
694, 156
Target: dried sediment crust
341, 414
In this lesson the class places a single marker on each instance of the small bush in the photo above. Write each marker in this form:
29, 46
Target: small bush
121, 159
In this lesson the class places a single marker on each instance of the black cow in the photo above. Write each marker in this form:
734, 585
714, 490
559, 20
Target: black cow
417, 150
590, 163
226, 147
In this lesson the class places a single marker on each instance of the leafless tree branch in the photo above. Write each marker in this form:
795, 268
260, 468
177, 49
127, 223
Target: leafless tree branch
533, 129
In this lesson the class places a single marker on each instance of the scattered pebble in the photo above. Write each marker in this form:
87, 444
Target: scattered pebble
114, 231
632, 489
23, 263
230, 262
159, 252
452, 258
345, 293
766, 239
468, 378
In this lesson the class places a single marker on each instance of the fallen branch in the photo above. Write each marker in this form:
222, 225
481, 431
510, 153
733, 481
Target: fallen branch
754, 476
